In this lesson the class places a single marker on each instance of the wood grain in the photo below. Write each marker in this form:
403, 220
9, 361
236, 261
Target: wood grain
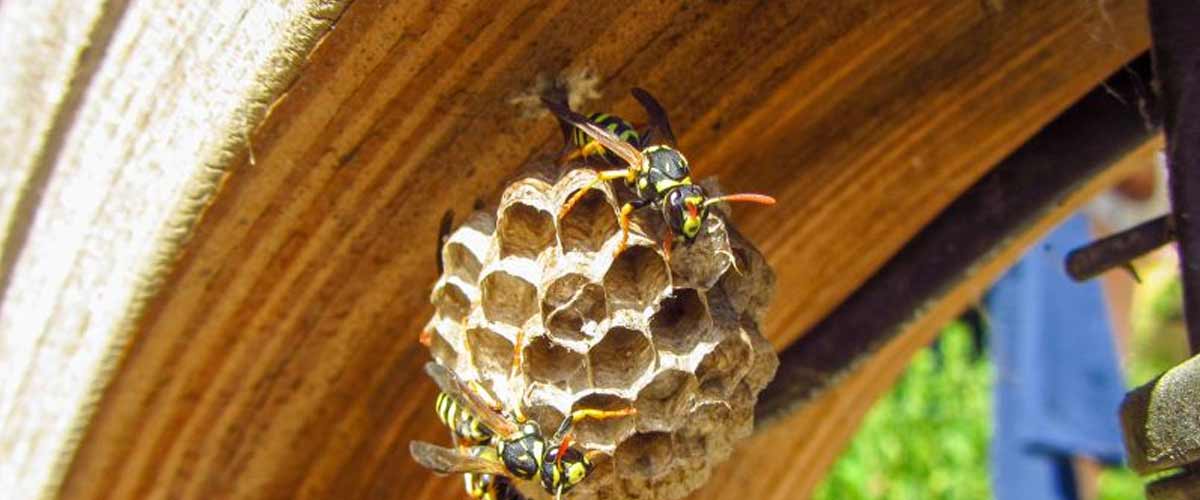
45, 51
125, 117
275, 357
815, 436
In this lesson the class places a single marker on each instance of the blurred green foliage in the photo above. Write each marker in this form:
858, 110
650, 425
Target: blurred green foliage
928, 438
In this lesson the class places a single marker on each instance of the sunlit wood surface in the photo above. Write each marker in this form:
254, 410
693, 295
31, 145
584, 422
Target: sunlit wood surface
216, 299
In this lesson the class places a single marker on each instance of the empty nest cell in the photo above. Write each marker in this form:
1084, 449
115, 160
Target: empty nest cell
508, 298
441, 349
491, 353
566, 325
637, 278
680, 322
550, 363
621, 357
589, 223
571, 302
451, 301
562, 289
524, 230
460, 261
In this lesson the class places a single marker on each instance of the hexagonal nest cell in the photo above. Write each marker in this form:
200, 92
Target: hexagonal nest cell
679, 343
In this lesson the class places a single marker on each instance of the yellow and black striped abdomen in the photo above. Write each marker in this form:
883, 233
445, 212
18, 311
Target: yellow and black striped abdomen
612, 123
460, 421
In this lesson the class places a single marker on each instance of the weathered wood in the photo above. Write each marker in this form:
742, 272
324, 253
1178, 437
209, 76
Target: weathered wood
46, 56
52, 49
277, 358
123, 119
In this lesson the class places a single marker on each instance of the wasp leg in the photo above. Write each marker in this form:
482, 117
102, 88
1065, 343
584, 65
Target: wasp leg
606, 175
593, 148
485, 395
516, 360
627, 209
564, 430
569, 156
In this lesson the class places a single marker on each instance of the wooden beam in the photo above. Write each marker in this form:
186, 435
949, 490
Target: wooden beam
275, 356
120, 124
47, 67
1094, 145
1105, 125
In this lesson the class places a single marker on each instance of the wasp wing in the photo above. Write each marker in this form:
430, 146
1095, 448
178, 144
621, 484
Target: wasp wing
450, 461
611, 142
472, 401
658, 115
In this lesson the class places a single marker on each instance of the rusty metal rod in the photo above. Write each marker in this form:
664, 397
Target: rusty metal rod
1116, 250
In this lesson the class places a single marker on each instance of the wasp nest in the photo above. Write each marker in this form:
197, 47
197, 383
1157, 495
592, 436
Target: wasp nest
599, 330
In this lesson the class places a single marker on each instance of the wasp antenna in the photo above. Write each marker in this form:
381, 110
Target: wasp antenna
761, 199
562, 448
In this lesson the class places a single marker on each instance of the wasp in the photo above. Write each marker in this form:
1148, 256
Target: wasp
658, 174
515, 447
466, 428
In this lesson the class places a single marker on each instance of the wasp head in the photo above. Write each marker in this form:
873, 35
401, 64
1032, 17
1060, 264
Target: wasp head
685, 207
684, 210
560, 474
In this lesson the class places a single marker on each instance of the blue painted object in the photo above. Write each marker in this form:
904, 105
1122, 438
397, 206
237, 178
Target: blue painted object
1058, 382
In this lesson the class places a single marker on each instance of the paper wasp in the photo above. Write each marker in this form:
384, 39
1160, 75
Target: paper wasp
514, 447
657, 173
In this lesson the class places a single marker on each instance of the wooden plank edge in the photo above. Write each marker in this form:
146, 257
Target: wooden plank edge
310, 23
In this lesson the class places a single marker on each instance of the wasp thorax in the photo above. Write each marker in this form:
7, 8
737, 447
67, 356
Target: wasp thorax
595, 329
521, 453
668, 161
